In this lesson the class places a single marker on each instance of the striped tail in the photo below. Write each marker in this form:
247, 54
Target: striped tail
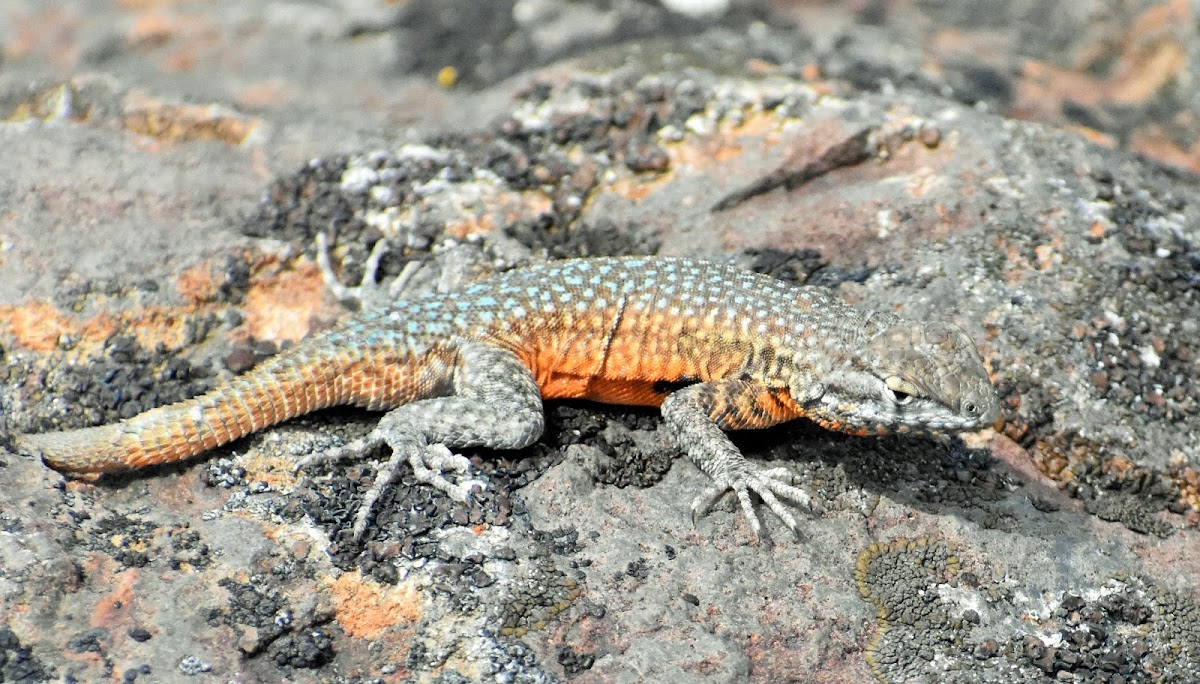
316, 374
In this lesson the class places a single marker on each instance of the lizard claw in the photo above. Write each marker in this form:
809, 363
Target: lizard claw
769, 484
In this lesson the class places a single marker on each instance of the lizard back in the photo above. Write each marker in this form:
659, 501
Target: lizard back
629, 330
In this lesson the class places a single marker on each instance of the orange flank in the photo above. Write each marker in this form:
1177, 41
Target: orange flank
624, 392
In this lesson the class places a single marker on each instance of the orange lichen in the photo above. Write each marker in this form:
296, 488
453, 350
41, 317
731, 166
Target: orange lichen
178, 122
40, 326
282, 304
200, 283
111, 608
150, 29
470, 225
1059, 457
364, 608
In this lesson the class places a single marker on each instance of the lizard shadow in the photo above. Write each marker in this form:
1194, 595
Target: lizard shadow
935, 474
938, 475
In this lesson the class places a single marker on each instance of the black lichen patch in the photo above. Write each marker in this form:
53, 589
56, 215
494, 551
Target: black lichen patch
188, 550
542, 594
254, 604
413, 193
134, 542
499, 659
597, 238
347, 198
1131, 317
309, 649
408, 513
939, 623
1140, 363
231, 278
90, 641
610, 429
512, 660
128, 379
17, 662
573, 662
273, 625
804, 267
128, 539
331, 195
1175, 622
1112, 486
540, 584
898, 579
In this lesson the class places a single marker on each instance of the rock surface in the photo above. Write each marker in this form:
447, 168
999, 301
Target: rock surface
168, 166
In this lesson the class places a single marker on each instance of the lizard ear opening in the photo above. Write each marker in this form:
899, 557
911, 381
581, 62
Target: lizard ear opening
902, 391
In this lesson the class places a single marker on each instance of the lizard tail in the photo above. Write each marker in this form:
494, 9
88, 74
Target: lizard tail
311, 376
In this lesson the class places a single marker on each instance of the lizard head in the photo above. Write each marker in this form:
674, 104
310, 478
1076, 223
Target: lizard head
909, 377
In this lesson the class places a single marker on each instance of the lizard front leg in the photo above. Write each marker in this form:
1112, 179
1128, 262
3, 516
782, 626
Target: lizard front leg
697, 416
495, 403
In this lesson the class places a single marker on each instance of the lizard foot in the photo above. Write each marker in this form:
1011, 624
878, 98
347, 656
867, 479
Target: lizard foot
428, 466
769, 484
368, 293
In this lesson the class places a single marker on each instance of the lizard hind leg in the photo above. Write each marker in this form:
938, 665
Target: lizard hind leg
495, 403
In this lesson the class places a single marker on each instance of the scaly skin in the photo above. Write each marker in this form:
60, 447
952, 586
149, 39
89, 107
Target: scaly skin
716, 347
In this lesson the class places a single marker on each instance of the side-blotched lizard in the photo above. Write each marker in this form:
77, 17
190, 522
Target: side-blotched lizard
716, 347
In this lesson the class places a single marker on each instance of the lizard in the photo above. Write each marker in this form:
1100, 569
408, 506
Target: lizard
716, 348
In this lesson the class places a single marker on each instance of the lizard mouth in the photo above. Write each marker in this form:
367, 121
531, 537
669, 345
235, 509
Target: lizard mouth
915, 415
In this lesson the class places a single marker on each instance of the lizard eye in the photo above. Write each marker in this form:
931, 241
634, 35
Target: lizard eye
901, 391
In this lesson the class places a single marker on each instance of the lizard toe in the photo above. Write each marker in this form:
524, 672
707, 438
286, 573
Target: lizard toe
743, 495
788, 491
780, 473
704, 502
356, 449
439, 457
780, 511
772, 485
430, 463
387, 474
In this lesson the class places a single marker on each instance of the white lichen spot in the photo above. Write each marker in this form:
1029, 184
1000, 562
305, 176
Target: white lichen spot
883, 218
357, 179
1150, 358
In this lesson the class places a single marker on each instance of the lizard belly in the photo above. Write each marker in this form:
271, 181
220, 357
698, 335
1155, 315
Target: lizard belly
605, 390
